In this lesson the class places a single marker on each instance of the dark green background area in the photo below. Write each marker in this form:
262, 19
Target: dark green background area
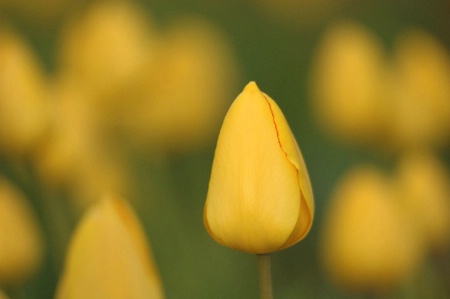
277, 55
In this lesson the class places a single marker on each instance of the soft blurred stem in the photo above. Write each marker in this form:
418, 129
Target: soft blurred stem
265, 276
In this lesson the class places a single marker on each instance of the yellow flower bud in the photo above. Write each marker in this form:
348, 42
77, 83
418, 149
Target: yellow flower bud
367, 244
21, 249
422, 91
424, 195
186, 90
259, 198
23, 102
75, 157
108, 257
348, 84
105, 49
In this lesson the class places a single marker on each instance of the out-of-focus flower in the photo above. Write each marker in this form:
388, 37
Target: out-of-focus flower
185, 92
421, 91
366, 244
109, 257
360, 98
424, 195
22, 247
23, 102
3, 295
76, 156
348, 92
105, 49
259, 198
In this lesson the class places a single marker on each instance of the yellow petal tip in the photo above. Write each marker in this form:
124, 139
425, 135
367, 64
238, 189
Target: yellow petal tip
251, 87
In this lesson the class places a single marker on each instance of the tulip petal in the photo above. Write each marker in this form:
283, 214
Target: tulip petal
109, 258
290, 147
253, 201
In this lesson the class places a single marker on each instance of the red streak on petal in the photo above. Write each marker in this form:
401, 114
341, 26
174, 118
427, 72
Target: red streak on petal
274, 123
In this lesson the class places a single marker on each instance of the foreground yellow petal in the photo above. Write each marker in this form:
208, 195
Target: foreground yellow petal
109, 257
259, 198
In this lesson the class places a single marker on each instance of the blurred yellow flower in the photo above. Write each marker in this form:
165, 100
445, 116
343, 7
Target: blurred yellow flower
348, 93
186, 90
109, 257
76, 156
366, 243
259, 198
104, 49
22, 247
23, 98
422, 91
2, 295
359, 97
424, 195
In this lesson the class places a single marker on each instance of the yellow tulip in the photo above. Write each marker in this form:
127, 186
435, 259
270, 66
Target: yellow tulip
367, 244
424, 195
23, 97
185, 91
108, 257
105, 49
348, 85
21, 244
3, 295
259, 198
422, 91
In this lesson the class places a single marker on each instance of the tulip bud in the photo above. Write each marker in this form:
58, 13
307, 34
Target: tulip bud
108, 257
259, 198
348, 85
23, 97
21, 244
422, 91
424, 195
367, 244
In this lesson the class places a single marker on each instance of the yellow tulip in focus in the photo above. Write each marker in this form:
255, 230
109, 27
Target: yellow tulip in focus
424, 195
109, 257
367, 245
21, 244
259, 198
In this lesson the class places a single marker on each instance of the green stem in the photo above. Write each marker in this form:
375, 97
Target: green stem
265, 276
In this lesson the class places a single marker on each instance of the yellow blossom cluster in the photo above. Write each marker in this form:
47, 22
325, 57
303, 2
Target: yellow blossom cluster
118, 79
121, 86
362, 96
379, 228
